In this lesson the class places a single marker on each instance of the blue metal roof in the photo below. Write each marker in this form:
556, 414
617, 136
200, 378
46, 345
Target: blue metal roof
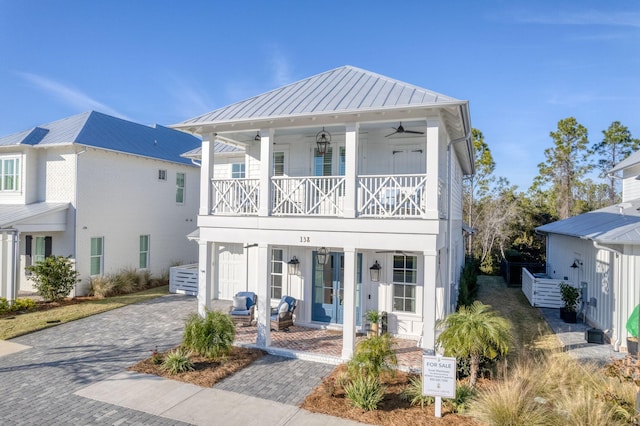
103, 131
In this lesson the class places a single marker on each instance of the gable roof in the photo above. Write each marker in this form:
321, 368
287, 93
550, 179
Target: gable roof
341, 90
10, 214
617, 224
98, 130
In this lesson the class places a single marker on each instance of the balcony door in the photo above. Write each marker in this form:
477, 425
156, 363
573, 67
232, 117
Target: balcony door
328, 289
408, 160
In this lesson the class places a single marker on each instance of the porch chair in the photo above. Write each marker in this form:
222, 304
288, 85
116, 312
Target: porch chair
282, 316
243, 309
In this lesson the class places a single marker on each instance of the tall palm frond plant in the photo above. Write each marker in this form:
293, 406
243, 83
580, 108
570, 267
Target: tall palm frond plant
474, 331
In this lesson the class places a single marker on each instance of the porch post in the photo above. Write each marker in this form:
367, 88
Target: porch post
351, 170
263, 338
9, 264
4, 256
205, 274
349, 303
429, 296
207, 194
432, 157
266, 164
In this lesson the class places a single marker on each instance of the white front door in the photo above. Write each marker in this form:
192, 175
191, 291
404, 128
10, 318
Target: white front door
408, 160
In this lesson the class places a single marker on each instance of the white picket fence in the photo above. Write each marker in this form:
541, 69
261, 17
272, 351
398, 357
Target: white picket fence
542, 291
184, 279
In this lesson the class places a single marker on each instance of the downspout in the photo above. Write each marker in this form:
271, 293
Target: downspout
616, 344
75, 218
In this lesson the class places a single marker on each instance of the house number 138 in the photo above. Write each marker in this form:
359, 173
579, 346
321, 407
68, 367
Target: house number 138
305, 239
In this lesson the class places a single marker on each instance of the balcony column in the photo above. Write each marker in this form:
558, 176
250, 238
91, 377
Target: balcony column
9, 264
266, 170
263, 338
206, 269
349, 303
432, 159
429, 296
207, 194
351, 170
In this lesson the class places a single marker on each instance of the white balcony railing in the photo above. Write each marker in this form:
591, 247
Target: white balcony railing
308, 196
392, 195
236, 196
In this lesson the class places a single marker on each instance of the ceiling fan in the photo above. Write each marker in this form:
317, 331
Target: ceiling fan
401, 129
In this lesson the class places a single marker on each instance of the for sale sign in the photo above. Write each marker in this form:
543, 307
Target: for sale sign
439, 376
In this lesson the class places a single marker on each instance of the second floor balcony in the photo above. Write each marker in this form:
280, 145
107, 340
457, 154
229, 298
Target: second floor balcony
375, 196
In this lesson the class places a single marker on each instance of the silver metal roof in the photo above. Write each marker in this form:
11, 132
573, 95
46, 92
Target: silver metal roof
99, 130
345, 89
11, 214
617, 224
218, 148
631, 160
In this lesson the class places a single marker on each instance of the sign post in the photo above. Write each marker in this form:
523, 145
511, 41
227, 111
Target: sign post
439, 379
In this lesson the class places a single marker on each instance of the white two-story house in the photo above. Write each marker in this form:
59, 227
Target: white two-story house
345, 194
110, 193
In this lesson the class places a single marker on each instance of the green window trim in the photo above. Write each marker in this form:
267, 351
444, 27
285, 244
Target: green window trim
97, 256
180, 185
144, 252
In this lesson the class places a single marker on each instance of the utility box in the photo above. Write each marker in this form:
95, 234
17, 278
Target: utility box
593, 335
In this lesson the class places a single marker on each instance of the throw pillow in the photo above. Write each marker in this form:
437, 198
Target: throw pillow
284, 307
239, 303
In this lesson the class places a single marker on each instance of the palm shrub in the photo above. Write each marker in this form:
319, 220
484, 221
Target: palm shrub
365, 392
413, 393
474, 331
460, 403
54, 277
210, 336
177, 361
468, 283
373, 356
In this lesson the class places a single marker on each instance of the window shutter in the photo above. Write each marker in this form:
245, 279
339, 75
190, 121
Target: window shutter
27, 244
48, 244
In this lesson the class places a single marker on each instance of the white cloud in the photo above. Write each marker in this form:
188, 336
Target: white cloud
69, 95
279, 66
591, 17
190, 100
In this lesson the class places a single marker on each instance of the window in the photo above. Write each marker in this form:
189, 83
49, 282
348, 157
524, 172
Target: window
237, 171
144, 252
277, 268
322, 163
97, 256
278, 164
180, 178
38, 250
162, 174
9, 174
405, 272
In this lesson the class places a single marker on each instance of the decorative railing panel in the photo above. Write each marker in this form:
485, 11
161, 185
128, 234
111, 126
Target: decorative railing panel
236, 196
308, 196
392, 195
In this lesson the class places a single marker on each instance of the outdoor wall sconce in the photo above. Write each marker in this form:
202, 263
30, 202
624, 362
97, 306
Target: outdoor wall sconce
322, 256
323, 139
374, 271
293, 266
576, 264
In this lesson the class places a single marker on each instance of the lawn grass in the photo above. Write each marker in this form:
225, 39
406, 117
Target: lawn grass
19, 325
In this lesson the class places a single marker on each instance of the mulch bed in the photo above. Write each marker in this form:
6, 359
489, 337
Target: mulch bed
45, 306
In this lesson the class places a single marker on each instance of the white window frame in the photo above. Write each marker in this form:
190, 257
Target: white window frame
406, 279
334, 161
98, 256
238, 171
15, 175
144, 254
275, 275
180, 189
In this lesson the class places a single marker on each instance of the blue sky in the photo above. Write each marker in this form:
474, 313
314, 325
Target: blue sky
523, 65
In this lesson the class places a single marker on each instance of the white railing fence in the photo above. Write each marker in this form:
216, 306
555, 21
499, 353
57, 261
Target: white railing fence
308, 196
184, 279
541, 291
236, 196
392, 195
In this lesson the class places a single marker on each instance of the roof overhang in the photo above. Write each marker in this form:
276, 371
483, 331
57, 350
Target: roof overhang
37, 217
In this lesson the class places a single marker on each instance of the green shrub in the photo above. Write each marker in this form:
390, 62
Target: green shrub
211, 336
373, 356
124, 282
23, 305
460, 403
365, 392
413, 393
54, 277
468, 283
4, 305
177, 361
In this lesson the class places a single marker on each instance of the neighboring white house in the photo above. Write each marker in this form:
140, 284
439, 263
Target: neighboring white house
599, 252
387, 191
110, 193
